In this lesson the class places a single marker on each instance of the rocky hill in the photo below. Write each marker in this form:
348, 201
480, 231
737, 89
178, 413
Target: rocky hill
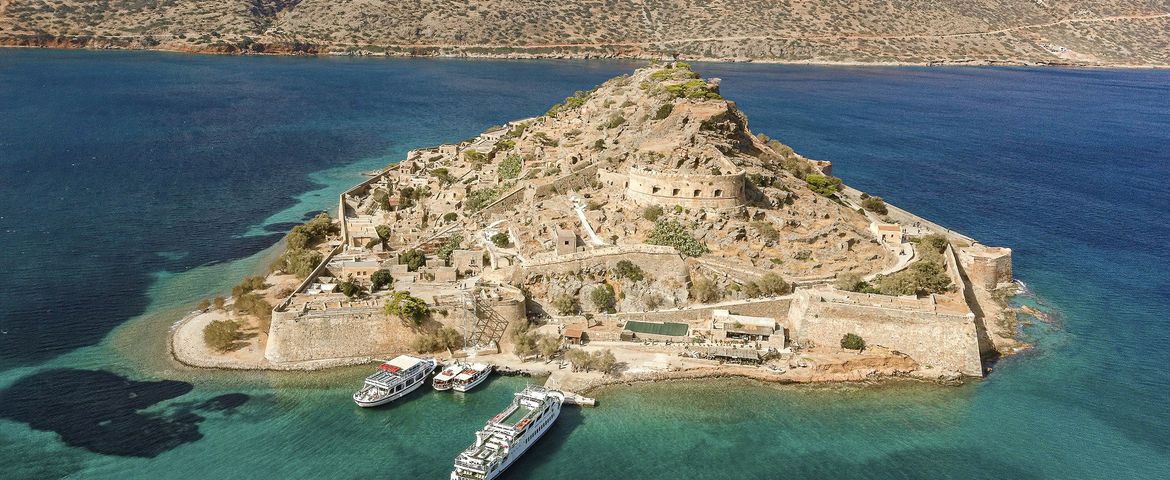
1082, 32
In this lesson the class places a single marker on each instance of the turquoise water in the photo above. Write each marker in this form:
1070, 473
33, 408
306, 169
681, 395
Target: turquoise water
131, 185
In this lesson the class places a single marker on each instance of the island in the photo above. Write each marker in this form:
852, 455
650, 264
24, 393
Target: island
636, 231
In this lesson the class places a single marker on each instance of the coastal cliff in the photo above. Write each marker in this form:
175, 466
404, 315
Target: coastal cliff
980, 32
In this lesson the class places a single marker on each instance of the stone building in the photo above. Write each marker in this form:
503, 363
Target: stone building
887, 233
690, 190
986, 266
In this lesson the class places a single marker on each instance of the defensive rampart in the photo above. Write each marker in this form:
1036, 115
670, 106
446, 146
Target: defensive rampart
941, 342
689, 190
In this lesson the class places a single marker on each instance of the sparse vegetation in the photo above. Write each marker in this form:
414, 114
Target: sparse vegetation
852, 341
628, 270
566, 304
652, 213
445, 338
510, 167
223, 335
875, 205
670, 233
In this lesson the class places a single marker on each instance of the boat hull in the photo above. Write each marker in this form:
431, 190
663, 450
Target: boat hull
477, 381
390, 398
518, 452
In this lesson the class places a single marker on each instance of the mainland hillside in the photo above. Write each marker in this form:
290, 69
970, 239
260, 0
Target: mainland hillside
1080, 32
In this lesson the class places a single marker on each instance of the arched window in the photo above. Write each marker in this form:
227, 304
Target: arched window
718, 193
656, 189
674, 193
695, 194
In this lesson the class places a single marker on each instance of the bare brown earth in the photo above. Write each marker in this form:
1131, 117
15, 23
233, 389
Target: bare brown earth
1065, 32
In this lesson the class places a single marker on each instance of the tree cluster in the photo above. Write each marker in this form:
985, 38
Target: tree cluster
407, 307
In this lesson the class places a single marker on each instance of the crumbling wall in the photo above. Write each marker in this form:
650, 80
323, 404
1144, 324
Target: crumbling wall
504, 203
572, 181
656, 260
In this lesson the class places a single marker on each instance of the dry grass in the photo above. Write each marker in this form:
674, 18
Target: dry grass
978, 31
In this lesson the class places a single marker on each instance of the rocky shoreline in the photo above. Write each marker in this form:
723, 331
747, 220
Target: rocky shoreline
306, 51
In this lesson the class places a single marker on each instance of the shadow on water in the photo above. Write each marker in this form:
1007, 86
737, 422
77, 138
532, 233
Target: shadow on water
103, 412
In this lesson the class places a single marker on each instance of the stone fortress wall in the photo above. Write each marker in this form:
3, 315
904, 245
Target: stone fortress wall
939, 341
648, 187
336, 333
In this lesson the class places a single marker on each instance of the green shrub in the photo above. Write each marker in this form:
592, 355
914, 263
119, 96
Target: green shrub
850, 282
500, 239
664, 111
450, 217
478, 199
413, 259
445, 338
652, 213
696, 89
628, 270
476, 159
773, 284
603, 361
766, 230
670, 233
923, 277
933, 242
566, 304
704, 290
350, 289
822, 185
407, 307
510, 167
248, 284
448, 247
875, 205
614, 121
852, 341
223, 335
380, 278
602, 298
298, 262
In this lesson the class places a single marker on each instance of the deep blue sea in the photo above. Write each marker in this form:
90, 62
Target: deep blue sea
134, 184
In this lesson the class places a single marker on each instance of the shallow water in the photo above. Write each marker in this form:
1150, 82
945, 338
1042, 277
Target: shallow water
133, 184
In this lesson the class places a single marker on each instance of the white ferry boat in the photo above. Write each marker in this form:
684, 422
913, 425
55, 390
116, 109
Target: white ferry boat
470, 376
509, 434
393, 380
442, 381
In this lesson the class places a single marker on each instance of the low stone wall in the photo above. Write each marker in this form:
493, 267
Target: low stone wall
941, 342
700, 316
577, 179
504, 203
657, 260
